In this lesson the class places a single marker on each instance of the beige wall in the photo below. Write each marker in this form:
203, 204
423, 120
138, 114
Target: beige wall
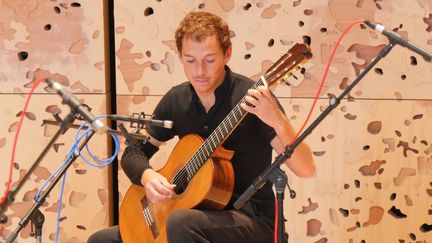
373, 153
66, 42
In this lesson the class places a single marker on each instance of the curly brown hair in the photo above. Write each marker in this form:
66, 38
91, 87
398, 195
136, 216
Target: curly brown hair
199, 25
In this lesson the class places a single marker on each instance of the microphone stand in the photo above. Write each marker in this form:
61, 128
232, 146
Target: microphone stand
38, 218
278, 177
34, 214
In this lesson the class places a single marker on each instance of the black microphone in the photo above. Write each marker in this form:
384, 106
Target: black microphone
152, 122
76, 105
396, 38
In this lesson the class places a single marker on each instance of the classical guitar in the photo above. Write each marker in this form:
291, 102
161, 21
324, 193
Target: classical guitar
200, 169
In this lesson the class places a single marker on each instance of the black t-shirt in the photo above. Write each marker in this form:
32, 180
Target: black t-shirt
250, 140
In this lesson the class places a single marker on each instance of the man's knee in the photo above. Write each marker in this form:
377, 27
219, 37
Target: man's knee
183, 225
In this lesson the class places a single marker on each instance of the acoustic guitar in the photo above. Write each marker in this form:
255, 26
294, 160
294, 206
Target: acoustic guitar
200, 169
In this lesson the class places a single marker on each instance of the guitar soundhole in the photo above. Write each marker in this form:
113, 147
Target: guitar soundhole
181, 181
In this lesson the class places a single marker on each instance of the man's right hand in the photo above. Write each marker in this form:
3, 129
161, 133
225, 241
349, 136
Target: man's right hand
157, 186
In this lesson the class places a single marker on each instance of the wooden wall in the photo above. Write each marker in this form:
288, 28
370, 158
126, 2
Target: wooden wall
373, 152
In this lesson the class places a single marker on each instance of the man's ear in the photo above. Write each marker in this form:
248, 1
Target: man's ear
227, 55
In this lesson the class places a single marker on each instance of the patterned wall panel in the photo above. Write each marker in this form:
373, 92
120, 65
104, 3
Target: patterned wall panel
64, 40
85, 201
61, 38
372, 152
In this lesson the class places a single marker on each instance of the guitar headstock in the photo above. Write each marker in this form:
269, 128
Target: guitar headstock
290, 62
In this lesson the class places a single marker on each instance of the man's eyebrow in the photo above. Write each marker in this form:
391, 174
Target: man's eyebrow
208, 55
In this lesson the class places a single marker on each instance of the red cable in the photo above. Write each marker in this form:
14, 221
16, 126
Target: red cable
358, 21
9, 182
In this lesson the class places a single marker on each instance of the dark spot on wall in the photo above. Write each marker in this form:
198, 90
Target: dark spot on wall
403, 76
426, 228
296, 3
413, 61
393, 196
428, 21
247, 56
323, 30
301, 23
412, 236
47, 27
63, 5
270, 42
307, 40
22, 55
148, 53
75, 5
201, 6
148, 11
81, 227
322, 240
399, 134
344, 212
379, 71
308, 12
346, 186
350, 116
344, 83
374, 127
247, 6
57, 10
397, 213
366, 147
406, 148
357, 199
380, 171
357, 183
80, 171
378, 6
378, 185
418, 116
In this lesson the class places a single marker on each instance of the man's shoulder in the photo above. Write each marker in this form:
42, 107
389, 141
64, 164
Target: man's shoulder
180, 88
241, 80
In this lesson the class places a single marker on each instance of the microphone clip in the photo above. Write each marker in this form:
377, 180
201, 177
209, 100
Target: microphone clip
140, 116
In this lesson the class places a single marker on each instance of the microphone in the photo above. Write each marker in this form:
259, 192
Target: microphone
152, 122
396, 38
76, 105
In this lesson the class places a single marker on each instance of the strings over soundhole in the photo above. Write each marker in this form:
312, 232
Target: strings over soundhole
181, 180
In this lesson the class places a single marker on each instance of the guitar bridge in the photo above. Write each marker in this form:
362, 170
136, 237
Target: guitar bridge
148, 216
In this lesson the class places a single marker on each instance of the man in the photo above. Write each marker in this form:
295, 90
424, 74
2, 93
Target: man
198, 106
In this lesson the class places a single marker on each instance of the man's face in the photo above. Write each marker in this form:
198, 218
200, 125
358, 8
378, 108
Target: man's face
204, 63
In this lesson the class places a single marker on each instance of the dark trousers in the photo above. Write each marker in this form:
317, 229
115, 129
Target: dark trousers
192, 225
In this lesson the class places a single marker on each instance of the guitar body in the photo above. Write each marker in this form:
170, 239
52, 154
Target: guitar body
211, 187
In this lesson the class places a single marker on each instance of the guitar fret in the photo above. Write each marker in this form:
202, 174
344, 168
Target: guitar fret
224, 126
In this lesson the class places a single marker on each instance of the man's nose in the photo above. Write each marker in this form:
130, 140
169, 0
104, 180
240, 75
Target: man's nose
202, 69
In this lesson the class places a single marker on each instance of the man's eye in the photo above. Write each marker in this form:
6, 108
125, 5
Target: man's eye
210, 61
189, 61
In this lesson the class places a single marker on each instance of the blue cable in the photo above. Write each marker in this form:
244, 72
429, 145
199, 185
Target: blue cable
105, 162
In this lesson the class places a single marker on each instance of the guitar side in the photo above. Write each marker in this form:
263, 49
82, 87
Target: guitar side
211, 187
